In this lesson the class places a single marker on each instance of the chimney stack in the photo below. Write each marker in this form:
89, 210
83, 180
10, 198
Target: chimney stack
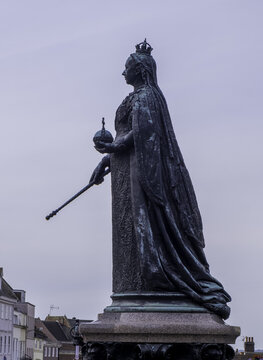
249, 345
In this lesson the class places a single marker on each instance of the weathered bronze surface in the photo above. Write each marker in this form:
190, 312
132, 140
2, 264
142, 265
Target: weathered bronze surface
157, 228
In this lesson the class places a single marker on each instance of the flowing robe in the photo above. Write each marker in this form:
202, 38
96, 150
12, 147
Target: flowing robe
157, 229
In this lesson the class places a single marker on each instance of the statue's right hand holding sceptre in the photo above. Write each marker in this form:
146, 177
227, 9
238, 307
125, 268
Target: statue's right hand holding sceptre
99, 172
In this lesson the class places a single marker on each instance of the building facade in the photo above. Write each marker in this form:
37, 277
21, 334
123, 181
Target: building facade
29, 310
59, 327
52, 345
7, 302
22, 337
19, 334
40, 343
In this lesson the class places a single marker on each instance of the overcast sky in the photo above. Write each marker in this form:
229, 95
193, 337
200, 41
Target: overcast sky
61, 63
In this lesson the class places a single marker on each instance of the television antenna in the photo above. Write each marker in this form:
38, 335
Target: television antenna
53, 307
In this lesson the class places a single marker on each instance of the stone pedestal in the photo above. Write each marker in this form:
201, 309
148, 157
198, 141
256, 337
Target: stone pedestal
137, 326
159, 328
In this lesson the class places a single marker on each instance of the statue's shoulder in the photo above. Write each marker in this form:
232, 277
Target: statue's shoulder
143, 91
141, 95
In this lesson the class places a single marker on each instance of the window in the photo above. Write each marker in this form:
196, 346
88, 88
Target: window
22, 349
3, 311
5, 344
19, 349
40, 344
1, 344
6, 311
9, 345
15, 349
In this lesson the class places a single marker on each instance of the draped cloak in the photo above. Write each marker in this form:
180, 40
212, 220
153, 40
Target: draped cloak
157, 228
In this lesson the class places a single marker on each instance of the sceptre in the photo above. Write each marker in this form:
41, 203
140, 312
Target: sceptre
101, 135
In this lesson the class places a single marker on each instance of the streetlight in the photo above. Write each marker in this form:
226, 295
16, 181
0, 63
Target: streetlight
77, 338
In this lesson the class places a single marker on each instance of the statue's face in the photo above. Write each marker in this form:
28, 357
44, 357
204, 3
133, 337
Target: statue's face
131, 71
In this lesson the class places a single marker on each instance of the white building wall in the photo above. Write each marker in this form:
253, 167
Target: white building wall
6, 329
29, 310
19, 335
39, 349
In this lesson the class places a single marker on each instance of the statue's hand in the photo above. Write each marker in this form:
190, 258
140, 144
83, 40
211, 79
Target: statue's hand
122, 144
97, 175
108, 147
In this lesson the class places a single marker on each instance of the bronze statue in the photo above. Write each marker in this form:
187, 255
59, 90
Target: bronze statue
157, 228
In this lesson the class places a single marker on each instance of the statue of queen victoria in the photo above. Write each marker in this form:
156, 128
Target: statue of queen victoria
158, 243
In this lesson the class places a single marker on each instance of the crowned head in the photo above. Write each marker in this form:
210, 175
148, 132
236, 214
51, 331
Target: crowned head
140, 66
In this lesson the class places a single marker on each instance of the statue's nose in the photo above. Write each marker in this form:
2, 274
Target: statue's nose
124, 73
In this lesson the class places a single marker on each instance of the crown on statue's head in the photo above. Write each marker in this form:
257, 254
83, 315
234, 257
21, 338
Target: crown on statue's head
144, 48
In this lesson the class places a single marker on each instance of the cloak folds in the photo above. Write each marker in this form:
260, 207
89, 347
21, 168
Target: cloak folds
154, 198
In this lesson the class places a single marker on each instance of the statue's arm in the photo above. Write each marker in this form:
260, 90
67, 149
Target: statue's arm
97, 174
125, 142
121, 144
